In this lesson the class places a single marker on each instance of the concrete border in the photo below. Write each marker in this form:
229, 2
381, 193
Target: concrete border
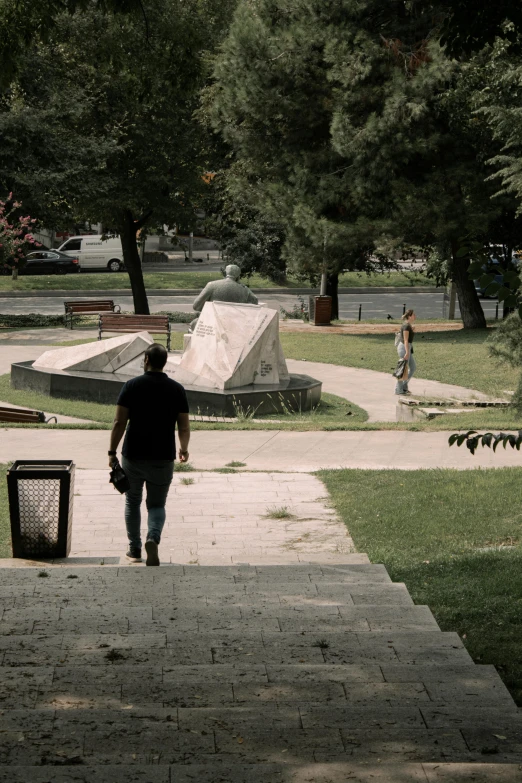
195, 291
302, 393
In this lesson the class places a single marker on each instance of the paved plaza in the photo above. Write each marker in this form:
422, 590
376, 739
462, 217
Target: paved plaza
218, 519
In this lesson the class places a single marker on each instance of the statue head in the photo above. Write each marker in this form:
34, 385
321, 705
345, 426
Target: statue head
233, 271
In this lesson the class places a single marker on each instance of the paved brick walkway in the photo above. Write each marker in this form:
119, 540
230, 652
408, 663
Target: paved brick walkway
219, 519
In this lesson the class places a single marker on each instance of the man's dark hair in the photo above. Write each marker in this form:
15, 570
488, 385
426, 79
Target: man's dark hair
157, 356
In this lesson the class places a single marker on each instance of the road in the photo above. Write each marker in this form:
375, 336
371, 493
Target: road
426, 305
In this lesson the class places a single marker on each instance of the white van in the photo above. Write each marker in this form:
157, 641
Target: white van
95, 253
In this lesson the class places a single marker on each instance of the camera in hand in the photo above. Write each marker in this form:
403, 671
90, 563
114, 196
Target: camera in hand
118, 478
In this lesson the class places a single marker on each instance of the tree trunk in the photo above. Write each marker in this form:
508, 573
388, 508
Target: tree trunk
471, 310
131, 256
332, 289
14, 273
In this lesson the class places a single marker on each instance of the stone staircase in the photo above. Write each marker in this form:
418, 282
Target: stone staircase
267, 674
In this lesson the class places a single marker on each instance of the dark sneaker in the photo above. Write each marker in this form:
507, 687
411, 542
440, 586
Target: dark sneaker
134, 555
151, 548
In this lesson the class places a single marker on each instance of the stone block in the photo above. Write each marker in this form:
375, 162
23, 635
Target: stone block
269, 716
473, 773
222, 771
342, 772
85, 774
177, 694
158, 744
97, 356
403, 672
233, 345
210, 673
324, 673
402, 743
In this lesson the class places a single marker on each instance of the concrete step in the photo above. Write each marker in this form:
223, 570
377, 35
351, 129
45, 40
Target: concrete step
237, 646
231, 772
125, 621
443, 696
153, 743
311, 673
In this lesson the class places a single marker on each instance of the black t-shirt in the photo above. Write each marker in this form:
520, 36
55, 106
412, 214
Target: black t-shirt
406, 327
154, 401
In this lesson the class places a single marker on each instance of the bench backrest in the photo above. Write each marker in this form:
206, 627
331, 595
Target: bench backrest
21, 415
93, 306
114, 321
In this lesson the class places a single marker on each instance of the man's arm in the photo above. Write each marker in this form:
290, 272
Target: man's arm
118, 430
252, 298
184, 436
203, 297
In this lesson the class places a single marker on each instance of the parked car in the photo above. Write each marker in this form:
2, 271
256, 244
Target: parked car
490, 268
94, 252
47, 262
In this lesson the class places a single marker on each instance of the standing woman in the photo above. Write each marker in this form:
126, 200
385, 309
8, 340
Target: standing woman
405, 350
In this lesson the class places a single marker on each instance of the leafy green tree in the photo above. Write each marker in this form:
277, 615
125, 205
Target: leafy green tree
274, 100
421, 151
132, 97
246, 237
350, 123
22, 22
467, 26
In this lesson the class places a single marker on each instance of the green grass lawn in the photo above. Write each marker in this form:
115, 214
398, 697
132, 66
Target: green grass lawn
449, 558
5, 529
450, 357
109, 282
384, 279
188, 279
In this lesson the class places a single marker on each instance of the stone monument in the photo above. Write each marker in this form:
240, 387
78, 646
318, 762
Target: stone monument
233, 345
232, 360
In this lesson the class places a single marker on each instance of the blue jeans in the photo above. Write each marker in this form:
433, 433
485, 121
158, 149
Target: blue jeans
157, 476
402, 386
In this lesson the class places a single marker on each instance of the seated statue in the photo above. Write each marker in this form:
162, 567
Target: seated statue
227, 290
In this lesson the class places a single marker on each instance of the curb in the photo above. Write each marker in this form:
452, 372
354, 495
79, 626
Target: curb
56, 293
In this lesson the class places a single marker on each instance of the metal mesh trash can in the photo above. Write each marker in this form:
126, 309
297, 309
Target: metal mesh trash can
41, 494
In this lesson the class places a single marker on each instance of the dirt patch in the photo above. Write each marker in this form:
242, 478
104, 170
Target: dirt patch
361, 328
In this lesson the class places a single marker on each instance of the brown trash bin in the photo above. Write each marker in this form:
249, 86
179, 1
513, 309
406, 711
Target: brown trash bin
322, 310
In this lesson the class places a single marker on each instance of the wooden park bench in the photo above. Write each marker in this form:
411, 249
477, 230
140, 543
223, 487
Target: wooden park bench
24, 416
88, 307
121, 322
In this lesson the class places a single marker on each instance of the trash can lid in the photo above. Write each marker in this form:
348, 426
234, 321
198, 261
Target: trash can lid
43, 466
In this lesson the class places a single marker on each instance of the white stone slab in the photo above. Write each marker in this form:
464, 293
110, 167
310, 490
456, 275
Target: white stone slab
97, 356
132, 353
233, 345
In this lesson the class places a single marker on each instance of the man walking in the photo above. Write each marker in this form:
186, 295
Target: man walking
151, 405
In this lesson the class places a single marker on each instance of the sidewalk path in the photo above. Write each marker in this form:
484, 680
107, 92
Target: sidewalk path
271, 451
218, 520
374, 391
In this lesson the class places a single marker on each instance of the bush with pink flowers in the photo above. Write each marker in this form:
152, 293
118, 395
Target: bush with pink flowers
16, 239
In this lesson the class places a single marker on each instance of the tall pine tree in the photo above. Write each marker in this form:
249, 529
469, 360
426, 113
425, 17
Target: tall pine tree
349, 120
